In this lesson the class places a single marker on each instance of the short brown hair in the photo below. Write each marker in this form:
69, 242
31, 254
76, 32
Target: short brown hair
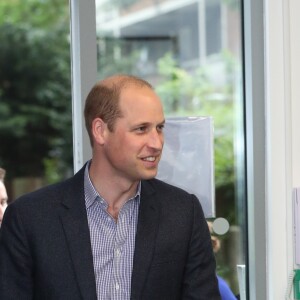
2, 174
103, 100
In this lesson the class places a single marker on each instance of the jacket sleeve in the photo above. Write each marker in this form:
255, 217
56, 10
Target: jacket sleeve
15, 259
200, 281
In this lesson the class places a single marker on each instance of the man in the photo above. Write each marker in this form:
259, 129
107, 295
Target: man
3, 194
111, 231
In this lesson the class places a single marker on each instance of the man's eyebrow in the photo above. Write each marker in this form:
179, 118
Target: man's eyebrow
142, 124
148, 123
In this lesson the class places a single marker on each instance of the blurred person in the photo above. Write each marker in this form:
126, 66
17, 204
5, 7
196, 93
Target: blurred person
225, 291
3, 194
111, 231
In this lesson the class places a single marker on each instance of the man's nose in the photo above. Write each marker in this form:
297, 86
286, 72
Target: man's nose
156, 139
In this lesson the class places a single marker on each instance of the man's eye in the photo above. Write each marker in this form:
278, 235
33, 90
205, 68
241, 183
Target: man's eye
141, 129
160, 127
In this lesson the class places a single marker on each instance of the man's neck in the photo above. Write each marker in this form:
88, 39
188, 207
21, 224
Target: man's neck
115, 191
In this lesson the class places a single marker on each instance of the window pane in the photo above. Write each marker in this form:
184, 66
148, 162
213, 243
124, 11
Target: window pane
191, 52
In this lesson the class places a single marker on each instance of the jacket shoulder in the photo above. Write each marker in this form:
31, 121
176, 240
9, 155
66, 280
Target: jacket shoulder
51, 193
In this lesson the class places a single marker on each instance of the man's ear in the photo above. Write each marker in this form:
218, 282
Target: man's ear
99, 128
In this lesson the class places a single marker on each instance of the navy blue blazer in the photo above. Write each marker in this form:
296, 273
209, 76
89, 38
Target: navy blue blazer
45, 248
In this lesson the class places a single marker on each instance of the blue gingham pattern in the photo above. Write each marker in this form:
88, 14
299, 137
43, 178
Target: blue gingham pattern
112, 242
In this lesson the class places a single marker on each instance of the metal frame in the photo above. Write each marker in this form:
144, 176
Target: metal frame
84, 72
254, 84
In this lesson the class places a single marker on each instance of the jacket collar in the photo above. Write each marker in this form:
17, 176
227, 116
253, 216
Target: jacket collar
74, 220
148, 222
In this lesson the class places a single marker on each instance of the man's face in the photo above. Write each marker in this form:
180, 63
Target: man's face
3, 199
134, 148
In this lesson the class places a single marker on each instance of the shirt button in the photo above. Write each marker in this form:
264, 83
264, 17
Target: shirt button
118, 252
117, 286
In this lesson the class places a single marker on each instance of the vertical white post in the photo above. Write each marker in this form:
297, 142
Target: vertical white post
255, 145
84, 72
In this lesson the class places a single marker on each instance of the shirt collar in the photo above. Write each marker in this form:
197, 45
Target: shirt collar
91, 194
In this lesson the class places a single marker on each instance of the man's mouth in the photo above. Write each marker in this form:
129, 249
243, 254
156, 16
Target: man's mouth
149, 158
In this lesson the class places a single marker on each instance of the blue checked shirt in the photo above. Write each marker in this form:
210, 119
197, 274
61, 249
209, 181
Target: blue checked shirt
112, 242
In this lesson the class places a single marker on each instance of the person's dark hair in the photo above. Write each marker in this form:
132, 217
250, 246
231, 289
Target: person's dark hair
2, 174
103, 100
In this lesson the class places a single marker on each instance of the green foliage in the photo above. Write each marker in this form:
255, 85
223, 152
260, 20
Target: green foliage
35, 89
37, 14
176, 86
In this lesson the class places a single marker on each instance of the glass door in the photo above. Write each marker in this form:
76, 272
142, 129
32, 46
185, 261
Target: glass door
191, 51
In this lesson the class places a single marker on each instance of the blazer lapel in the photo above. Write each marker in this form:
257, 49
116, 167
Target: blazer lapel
148, 222
74, 220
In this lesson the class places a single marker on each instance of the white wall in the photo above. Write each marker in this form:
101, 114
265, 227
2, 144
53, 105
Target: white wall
282, 74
